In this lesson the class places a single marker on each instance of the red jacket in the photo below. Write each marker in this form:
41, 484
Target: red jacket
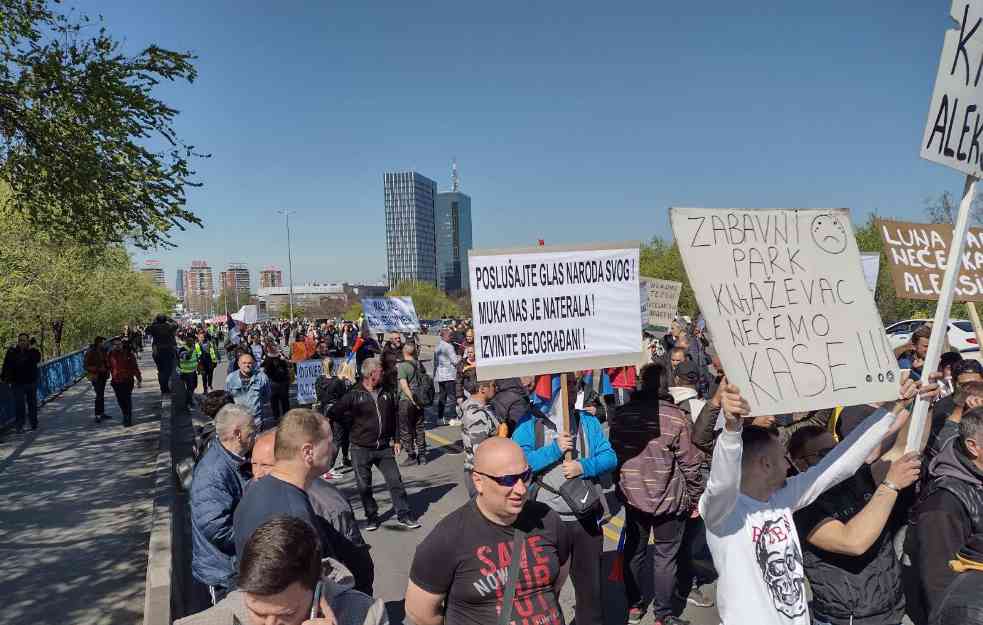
123, 366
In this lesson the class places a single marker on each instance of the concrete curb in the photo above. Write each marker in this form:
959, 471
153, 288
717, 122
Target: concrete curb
169, 586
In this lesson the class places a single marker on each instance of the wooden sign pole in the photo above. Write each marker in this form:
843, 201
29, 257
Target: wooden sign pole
974, 317
954, 263
565, 407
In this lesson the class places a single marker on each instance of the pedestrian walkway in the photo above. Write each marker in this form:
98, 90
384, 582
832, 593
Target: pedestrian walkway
75, 510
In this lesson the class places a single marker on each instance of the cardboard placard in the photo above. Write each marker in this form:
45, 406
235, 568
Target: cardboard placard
954, 128
390, 314
659, 304
784, 296
918, 253
554, 309
308, 371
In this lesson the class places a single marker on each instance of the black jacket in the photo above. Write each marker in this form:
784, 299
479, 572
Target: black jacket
949, 511
20, 366
511, 401
328, 391
277, 369
962, 603
163, 334
372, 421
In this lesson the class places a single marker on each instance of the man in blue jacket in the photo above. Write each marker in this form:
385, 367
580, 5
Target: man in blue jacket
216, 490
544, 447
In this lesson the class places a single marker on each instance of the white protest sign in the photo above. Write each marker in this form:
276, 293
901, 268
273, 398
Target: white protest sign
784, 296
390, 314
954, 128
554, 309
871, 265
660, 303
308, 371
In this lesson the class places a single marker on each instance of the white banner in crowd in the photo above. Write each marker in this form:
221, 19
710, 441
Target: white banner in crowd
953, 130
660, 303
554, 309
390, 314
872, 265
784, 295
308, 371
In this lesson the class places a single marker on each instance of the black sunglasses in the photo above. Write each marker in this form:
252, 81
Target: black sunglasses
510, 480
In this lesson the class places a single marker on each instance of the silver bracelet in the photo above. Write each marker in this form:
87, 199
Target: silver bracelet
891, 485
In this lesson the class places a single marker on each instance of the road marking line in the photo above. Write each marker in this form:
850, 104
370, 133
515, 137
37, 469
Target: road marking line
440, 439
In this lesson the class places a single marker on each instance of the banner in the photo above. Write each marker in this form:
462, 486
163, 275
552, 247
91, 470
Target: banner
917, 253
785, 299
390, 314
659, 304
249, 314
308, 371
954, 129
554, 309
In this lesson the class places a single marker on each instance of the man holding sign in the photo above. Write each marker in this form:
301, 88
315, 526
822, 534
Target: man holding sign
749, 501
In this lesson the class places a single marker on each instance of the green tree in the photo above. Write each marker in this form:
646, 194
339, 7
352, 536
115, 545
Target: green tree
429, 301
353, 312
87, 150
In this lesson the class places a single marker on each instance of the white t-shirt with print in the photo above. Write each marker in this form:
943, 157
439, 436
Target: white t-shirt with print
754, 544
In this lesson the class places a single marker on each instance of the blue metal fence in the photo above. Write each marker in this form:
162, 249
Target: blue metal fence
54, 377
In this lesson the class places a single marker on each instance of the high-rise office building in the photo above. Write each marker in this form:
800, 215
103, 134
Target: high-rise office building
452, 225
153, 270
235, 278
410, 237
270, 278
179, 285
199, 287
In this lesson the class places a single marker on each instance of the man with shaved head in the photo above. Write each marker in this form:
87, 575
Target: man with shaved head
465, 561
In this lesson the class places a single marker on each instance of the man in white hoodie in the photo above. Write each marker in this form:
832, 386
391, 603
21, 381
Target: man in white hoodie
748, 505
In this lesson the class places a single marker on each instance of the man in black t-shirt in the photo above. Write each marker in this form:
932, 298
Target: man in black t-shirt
465, 560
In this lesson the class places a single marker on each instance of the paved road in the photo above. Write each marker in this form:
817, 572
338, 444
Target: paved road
75, 507
436, 489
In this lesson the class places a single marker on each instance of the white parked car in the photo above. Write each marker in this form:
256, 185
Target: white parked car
960, 333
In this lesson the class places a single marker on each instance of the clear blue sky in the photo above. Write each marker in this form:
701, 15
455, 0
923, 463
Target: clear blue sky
574, 121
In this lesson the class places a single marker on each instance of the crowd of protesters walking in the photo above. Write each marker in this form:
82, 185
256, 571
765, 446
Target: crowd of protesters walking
816, 517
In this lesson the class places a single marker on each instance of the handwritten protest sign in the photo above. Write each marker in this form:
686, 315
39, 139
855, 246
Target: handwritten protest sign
785, 298
308, 371
553, 309
954, 127
659, 304
917, 256
390, 314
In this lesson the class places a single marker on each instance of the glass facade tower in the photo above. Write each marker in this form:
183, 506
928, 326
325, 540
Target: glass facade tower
410, 236
452, 222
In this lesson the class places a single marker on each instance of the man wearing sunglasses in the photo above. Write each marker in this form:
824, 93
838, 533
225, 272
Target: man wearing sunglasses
465, 561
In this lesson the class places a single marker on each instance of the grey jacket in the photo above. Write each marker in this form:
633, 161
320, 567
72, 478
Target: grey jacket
350, 607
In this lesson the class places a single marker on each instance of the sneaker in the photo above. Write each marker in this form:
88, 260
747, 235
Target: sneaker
336, 474
407, 521
671, 620
372, 524
635, 616
410, 460
454, 422
700, 597
421, 459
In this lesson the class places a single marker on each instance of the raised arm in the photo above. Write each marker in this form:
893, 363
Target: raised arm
720, 496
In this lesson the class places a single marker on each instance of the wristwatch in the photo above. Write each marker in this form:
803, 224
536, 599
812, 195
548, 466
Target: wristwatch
891, 485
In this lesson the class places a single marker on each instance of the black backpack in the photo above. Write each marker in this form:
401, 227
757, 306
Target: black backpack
421, 386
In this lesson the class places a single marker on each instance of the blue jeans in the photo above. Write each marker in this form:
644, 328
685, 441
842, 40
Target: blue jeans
25, 395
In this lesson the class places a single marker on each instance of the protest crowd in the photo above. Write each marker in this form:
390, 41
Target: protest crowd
810, 517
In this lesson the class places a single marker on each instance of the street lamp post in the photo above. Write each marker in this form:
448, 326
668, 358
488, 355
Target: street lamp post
290, 262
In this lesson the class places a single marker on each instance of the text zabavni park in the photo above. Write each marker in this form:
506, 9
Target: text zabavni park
787, 304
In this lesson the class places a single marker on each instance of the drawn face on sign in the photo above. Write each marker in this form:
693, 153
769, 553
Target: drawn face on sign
828, 233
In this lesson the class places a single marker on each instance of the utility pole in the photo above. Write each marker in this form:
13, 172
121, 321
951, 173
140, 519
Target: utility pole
290, 262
